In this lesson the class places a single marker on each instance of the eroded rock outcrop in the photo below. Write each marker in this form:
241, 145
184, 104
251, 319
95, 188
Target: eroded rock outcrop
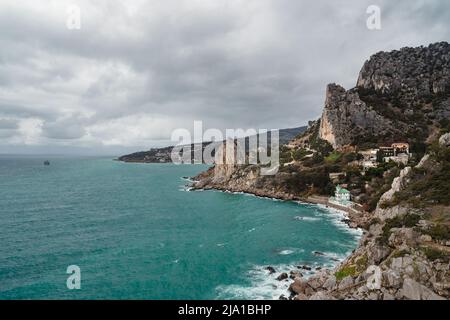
393, 90
346, 116
413, 72
398, 184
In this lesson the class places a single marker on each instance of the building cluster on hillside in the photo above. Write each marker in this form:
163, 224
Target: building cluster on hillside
397, 152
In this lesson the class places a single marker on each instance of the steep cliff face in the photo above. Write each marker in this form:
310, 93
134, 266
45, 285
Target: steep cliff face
346, 117
226, 162
394, 91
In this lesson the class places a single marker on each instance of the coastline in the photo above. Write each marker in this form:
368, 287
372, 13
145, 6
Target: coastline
353, 219
356, 219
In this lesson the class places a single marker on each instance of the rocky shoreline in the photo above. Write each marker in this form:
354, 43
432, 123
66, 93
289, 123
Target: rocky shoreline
398, 268
352, 218
404, 253
356, 217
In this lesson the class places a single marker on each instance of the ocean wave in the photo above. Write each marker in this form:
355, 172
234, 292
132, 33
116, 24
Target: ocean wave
338, 218
261, 285
252, 195
311, 219
337, 257
286, 252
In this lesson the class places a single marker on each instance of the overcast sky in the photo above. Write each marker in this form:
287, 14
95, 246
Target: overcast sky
137, 69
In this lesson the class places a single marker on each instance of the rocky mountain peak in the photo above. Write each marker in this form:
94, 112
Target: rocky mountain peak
400, 95
418, 72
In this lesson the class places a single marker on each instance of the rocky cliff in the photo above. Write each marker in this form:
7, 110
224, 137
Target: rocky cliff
394, 90
405, 250
346, 118
403, 254
414, 73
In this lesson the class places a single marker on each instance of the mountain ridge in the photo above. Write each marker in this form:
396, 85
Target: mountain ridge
163, 155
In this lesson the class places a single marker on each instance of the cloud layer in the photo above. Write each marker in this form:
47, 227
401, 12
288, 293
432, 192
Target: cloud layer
136, 70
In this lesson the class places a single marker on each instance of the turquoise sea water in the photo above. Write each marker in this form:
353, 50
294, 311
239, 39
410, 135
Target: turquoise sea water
136, 233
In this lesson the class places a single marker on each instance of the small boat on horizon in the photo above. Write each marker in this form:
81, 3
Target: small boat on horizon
46, 163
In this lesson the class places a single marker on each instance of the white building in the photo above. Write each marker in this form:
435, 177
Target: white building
342, 195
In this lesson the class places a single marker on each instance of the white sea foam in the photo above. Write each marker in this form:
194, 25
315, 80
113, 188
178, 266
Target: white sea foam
337, 216
333, 255
286, 252
264, 286
252, 195
310, 219
261, 286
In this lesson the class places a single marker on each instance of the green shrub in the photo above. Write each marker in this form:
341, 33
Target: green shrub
434, 254
345, 272
334, 157
439, 232
300, 154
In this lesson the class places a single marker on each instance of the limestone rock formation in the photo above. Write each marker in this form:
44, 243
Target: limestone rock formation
444, 140
346, 116
404, 251
398, 184
413, 72
394, 90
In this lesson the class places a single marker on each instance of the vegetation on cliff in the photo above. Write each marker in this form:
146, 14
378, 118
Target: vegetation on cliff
402, 96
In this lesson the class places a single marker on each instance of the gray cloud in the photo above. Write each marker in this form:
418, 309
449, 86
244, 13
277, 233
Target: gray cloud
138, 69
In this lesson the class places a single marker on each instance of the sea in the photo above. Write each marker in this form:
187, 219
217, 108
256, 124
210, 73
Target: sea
136, 231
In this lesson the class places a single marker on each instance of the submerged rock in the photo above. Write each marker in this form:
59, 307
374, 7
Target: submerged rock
305, 268
270, 269
282, 276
